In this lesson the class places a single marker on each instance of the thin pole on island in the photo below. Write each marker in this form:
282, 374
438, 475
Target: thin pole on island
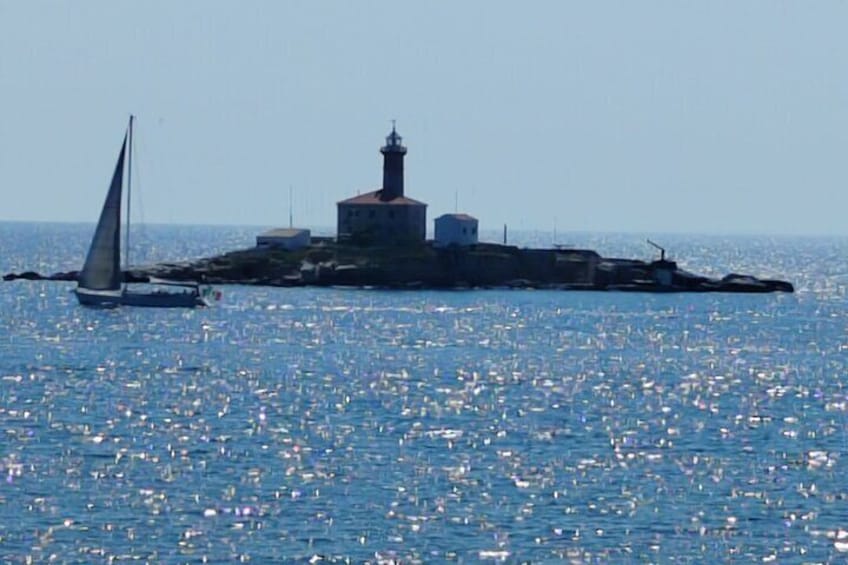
504, 234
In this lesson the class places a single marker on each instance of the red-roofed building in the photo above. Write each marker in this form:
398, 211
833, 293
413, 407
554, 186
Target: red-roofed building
385, 216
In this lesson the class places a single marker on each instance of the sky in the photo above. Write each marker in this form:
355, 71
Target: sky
671, 116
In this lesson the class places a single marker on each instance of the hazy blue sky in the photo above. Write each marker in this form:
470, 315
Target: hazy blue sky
716, 117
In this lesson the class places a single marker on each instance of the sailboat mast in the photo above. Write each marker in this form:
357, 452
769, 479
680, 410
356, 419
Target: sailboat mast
129, 198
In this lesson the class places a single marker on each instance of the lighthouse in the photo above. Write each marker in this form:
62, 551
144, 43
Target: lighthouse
393, 153
385, 216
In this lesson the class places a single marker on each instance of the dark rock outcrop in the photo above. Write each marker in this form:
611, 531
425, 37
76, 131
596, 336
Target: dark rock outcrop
424, 266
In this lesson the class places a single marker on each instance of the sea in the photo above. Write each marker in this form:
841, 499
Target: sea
347, 425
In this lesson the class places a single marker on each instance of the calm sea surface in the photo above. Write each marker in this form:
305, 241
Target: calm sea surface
370, 426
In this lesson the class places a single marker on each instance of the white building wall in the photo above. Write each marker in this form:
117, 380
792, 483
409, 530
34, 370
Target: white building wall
455, 229
289, 239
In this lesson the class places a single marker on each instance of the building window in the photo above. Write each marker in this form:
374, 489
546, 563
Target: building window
349, 213
391, 213
473, 231
372, 213
464, 231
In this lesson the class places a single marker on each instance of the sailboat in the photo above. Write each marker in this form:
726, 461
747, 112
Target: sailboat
101, 281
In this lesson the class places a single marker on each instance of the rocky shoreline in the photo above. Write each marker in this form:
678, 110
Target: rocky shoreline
485, 265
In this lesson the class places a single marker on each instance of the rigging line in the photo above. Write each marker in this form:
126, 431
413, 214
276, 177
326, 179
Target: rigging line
129, 198
140, 230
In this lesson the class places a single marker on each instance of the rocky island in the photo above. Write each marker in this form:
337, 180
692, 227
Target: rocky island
326, 262
381, 242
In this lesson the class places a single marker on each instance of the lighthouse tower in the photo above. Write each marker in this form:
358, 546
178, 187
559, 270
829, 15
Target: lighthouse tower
393, 153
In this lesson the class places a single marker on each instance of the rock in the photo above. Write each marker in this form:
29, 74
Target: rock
779, 286
484, 265
26, 276
70, 276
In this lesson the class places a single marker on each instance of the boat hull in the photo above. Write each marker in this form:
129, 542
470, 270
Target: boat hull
155, 299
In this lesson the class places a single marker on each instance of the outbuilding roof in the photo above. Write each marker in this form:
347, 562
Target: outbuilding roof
284, 232
461, 217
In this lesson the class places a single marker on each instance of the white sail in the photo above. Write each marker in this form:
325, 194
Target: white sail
101, 277
102, 269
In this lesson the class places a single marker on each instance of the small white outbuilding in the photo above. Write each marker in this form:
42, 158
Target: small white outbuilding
284, 238
455, 229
